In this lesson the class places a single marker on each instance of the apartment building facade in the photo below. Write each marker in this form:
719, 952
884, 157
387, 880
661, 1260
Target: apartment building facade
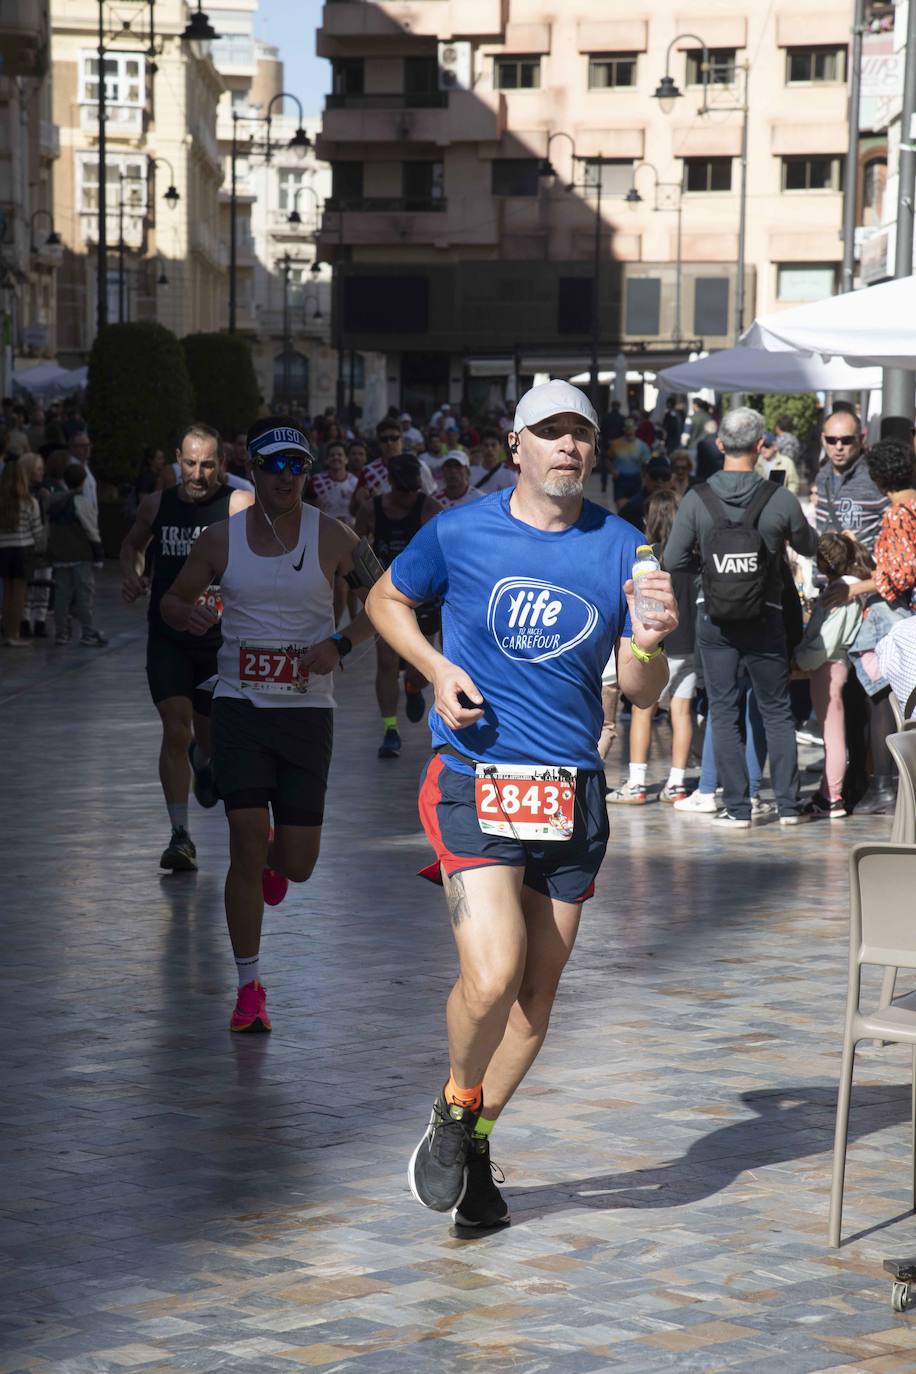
162, 96
29, 255
485, 155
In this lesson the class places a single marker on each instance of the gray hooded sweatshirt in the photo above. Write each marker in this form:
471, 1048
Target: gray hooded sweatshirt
783, 521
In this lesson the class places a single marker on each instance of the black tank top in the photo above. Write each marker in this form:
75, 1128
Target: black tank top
175, 528
392, 536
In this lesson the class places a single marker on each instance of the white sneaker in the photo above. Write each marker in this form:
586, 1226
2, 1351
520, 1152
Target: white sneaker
761, 808
701, 802
797, 819
726, 821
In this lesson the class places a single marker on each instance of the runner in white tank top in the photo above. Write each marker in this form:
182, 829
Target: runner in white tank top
273, 705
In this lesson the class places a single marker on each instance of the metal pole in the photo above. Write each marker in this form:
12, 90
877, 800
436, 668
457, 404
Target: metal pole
286, 344
351, 404
341, 401
852, 152
742, 218
898, 381
233, 205
101, 285
594, 384
121, 180
679, 271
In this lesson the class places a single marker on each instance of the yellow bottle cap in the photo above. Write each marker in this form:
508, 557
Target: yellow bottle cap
644, 548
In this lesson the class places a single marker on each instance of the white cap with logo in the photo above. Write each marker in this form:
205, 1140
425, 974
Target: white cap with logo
552, 398
457, 455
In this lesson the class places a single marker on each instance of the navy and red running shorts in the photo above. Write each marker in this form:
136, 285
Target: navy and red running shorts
562, 869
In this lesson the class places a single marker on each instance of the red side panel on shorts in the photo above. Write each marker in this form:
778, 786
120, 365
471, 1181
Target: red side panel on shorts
589, 892
428, 800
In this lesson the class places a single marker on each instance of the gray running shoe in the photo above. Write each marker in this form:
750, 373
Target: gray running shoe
437, 1172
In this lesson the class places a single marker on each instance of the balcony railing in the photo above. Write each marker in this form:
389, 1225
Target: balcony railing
393, 100
119, 119
385, 204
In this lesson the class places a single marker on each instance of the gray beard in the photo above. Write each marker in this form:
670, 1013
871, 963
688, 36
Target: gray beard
564, 486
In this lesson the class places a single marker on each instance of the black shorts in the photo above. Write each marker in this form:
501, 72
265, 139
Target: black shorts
12, 564
276, 756
562, 869
174, 669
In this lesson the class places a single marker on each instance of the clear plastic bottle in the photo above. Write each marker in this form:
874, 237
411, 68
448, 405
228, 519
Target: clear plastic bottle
647, 608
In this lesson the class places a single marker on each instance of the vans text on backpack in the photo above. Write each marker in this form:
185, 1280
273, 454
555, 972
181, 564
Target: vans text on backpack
736, 561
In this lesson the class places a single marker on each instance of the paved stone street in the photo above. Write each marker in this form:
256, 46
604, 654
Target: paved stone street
178, 1199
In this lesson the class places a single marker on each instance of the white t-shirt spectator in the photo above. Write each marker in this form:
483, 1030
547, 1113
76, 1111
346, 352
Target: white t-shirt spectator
497, 478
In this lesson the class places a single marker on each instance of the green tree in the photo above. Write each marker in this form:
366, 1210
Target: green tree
139, 394
801, 409
224, 380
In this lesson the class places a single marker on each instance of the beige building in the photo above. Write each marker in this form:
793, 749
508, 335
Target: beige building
470, 262
28, 148
161, 131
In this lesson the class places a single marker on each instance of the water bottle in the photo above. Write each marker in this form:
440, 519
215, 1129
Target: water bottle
647, 608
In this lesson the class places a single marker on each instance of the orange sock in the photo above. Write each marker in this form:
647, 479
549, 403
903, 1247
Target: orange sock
471, 1099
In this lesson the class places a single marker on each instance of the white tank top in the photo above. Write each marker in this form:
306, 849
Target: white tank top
273, 609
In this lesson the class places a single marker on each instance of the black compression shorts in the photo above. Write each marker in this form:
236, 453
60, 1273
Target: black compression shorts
174, 669
274, 756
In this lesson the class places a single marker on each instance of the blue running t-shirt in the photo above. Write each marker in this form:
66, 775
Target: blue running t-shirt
532, 616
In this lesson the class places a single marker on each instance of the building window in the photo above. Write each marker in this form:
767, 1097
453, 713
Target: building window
421, 75
707, 174
125, 88
710, 306
874, 182
516, 73
134, 169
721, 67
805, 281
291, 378
347, 181
515, 176
574, 305
812, 174
610, 70
348, 76
644, 296
807, 65
422, 181
615, 176
289, 181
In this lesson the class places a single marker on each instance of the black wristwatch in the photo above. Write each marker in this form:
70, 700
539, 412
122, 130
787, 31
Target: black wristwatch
344, 644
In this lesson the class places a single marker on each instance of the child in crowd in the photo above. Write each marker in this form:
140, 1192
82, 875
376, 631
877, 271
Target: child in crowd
822, 654
679, 694
74, 547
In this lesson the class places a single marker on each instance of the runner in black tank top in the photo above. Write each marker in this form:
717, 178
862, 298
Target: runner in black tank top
390, 522
176, 663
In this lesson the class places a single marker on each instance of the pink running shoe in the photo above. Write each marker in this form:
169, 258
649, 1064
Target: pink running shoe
251, 1009
274, 885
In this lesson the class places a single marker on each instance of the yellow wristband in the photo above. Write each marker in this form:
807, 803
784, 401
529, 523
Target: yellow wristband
640, 654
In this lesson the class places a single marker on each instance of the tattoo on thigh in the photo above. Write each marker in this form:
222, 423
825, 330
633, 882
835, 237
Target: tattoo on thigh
457, 898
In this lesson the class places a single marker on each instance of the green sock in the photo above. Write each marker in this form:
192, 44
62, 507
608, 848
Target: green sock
483, 1128
390, 722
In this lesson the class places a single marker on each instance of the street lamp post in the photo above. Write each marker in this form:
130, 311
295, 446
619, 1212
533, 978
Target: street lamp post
53, 239
294, 216
286, 266
675, 190
666, 93
300, 140
121, 180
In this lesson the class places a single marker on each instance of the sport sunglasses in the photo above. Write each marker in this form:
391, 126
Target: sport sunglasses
275, 463
840, 438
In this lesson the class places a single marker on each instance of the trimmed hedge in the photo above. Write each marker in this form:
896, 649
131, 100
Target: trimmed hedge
802, 409
139, 394
224, 381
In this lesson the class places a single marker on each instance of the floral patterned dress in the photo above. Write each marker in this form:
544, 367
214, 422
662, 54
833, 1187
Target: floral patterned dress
895, 554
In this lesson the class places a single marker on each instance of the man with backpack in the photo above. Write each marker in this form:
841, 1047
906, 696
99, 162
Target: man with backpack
740, 524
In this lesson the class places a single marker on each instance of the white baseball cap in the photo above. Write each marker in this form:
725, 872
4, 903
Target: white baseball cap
457, 455
552, 398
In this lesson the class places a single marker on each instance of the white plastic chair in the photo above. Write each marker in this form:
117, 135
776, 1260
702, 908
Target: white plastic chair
882, 882
903, 752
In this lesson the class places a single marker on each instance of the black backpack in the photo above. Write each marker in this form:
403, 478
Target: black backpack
736, 561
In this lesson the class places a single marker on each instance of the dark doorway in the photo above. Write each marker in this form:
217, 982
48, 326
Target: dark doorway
424, 382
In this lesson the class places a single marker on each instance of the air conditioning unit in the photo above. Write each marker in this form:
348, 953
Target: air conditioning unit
454, 66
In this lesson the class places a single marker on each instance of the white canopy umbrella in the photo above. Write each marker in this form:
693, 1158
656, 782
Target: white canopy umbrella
867, 328
753, 370
49, 381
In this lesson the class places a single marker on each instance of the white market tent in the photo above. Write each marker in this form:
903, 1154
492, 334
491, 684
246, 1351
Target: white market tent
754, 370
49, 381
872, 327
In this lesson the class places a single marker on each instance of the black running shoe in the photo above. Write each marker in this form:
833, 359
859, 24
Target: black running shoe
390, 747
483, 1207
437, 1172
202, 782
180, 855
415, 705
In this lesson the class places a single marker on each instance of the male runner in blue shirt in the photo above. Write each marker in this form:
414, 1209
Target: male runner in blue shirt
537, 593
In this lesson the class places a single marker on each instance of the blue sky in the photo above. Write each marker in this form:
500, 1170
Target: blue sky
291, 25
